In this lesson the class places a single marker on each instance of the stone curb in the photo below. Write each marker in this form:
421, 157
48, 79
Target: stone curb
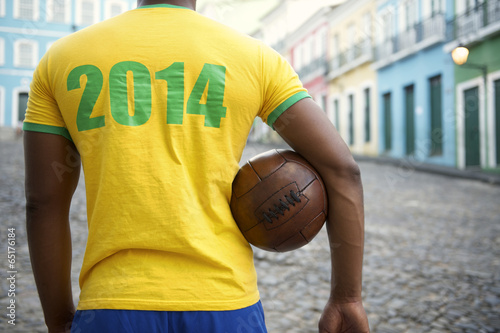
487, 177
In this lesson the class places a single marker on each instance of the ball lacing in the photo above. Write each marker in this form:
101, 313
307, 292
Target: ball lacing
281, 206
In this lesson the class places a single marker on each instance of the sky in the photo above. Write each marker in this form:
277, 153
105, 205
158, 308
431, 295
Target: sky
242, 15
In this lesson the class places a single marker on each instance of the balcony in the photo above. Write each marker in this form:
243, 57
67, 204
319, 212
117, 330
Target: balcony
315, 68
350, 59
415, 38
479, 22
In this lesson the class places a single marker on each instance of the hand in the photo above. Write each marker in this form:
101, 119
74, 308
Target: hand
344, 318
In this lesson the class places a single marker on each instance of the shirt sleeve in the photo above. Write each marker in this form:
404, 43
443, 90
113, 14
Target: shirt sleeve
281, 86
43, 114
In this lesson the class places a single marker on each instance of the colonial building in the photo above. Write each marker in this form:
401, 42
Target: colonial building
476, 25
352, 101
27, 30
307, 47
415, 81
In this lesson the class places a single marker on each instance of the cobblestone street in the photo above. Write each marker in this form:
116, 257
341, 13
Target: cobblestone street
432, 255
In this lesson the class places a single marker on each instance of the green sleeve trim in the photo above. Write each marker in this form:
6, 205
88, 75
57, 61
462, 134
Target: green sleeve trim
164, 5
32, 127
284, 106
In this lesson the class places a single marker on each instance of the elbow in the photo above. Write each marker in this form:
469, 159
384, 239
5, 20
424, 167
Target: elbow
38, 204
34, 205
348, 170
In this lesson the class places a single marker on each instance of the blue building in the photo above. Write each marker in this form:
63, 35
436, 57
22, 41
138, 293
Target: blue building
27, 29
415, 81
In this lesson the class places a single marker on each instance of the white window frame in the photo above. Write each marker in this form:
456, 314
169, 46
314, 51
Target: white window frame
407, 23
367, 26
321, 40
79, 12
15, 103
335, 48
2, 51
2, 8
492, 77
460, 116
34, 55
67, 10
306, 55
368, 85
109, 4
348, 92
36, 10
461, 5
386, 19
427, 8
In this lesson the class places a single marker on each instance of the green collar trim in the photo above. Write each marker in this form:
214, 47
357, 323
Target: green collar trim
162, 5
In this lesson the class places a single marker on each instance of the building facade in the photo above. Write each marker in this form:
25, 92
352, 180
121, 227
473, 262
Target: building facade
308, 54
476, 25
415, 81
292, 30
27, 30
352, 101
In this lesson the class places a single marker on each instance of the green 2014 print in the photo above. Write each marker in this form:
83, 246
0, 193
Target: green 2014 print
212, 75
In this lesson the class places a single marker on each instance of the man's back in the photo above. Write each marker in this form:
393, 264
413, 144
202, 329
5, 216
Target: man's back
159, 102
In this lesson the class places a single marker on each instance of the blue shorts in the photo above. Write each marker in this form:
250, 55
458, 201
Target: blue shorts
246, 320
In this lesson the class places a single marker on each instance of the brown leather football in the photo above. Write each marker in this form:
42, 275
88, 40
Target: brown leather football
279, 201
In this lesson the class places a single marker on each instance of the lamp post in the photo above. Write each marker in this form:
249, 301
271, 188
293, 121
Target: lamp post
459, 56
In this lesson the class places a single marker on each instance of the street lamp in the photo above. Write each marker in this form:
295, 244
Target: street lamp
459, 56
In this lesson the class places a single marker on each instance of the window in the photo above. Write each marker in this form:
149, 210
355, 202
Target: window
464, 6
307, 48
23, 105
2, 8
114, 8
321, 43
435, 7
367, 114
388, 21
387, 122
297, 58
408, 13
367, 26
87, 12
335, 51
58, 11
410, 119
25, 53
26, 9
351, 119
2, 52
351, 41
436, 114
336, 115
432, 8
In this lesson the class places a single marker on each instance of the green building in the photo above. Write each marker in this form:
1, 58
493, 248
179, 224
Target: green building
477, 83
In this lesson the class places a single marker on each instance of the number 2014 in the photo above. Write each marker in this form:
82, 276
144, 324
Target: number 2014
212, 75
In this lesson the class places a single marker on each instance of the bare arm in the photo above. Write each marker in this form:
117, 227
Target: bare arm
305, 127
52, 171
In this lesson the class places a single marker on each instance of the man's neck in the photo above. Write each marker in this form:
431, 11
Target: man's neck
183, 3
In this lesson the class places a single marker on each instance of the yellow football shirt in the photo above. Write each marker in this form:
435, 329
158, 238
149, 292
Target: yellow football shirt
159, 102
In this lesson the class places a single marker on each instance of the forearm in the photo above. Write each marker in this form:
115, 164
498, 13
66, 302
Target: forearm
345, 227
49, 241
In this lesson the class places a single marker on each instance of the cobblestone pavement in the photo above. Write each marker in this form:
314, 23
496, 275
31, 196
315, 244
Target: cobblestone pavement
432, 255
